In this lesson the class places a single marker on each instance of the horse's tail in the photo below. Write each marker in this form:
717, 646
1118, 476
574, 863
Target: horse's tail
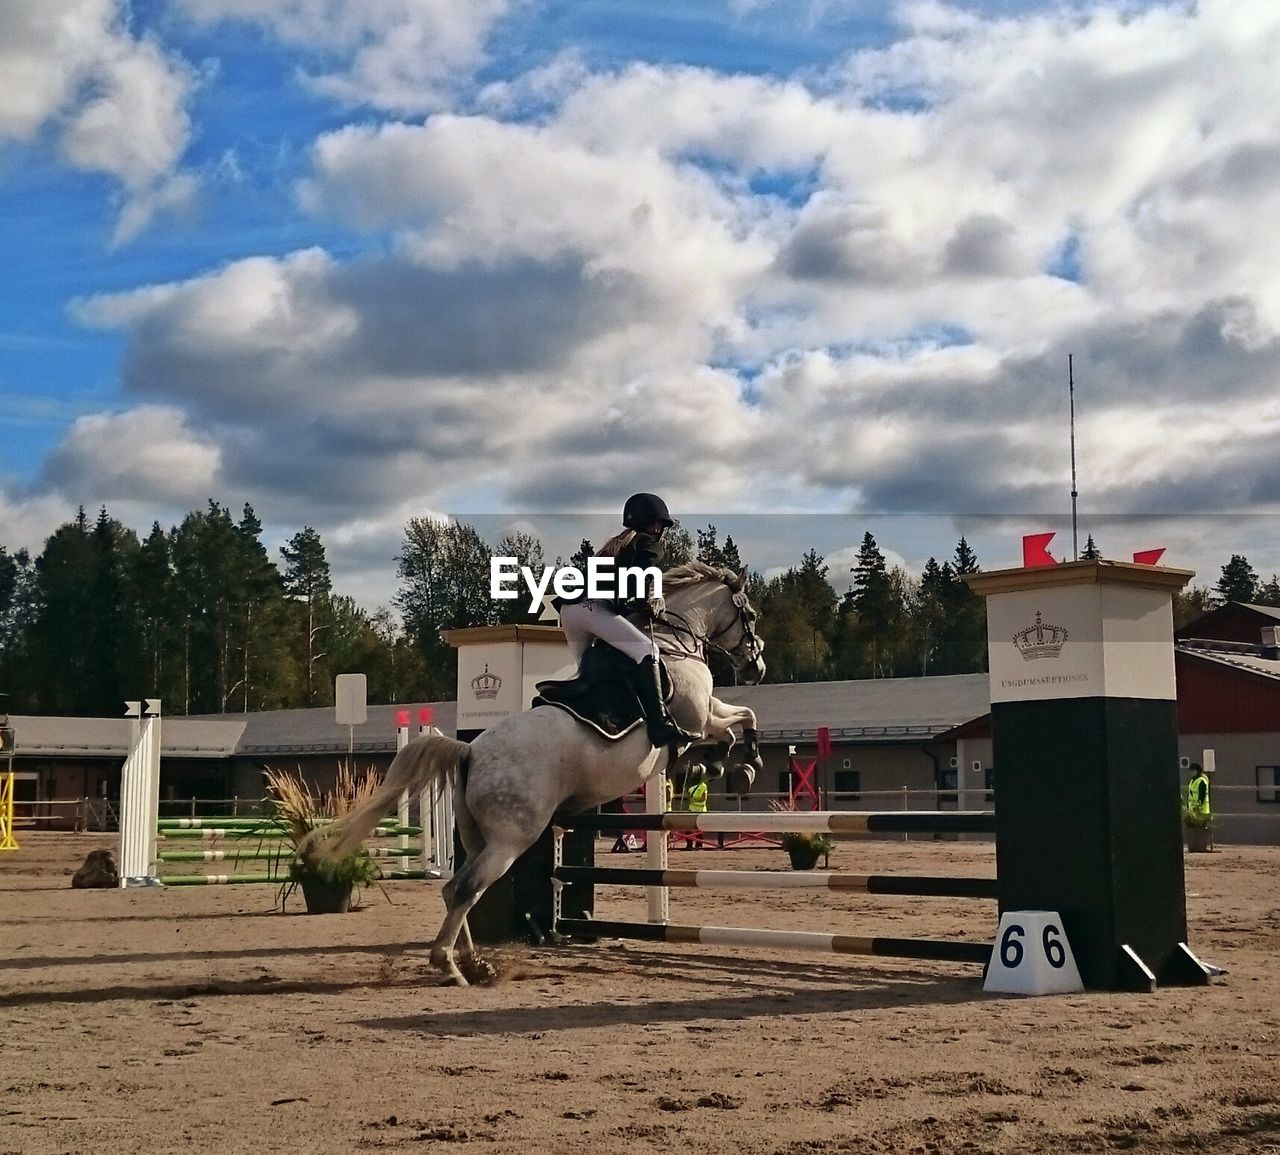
421, 762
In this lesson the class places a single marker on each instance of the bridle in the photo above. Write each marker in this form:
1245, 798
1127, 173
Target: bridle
686, 643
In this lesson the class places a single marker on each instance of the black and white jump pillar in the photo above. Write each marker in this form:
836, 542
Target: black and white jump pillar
1084, 737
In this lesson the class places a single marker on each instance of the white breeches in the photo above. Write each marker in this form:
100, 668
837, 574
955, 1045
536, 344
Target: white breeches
582, 621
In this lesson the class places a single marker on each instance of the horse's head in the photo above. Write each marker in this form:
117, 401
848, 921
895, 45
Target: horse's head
713, 602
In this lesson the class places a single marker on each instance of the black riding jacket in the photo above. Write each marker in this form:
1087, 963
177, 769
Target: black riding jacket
641, 552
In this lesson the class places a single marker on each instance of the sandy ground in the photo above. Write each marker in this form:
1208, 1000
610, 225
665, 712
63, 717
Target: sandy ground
199, 1020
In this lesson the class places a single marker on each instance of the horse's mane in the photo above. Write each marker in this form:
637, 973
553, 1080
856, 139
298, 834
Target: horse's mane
691, 573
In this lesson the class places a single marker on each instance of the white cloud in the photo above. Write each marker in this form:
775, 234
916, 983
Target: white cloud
145, 454
115, 102
752, 292
399, 55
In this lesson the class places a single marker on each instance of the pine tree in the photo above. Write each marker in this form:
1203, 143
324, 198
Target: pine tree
59, 671
963, 641
930, 612
1238, 582
797, 618
874, 612
152, 581
1269, 594
308, 583
115, 641
1091, 551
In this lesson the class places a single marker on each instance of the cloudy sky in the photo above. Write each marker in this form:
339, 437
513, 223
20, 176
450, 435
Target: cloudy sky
823, 260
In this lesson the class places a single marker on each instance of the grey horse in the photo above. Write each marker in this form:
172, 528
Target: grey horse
512, 779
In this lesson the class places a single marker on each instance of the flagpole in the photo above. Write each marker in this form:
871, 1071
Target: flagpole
1071, 394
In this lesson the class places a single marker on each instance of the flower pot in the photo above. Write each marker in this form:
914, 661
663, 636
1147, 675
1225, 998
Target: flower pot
1199, 838
803, 857
324, 897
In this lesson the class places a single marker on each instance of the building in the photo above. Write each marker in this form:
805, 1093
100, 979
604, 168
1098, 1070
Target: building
923, 743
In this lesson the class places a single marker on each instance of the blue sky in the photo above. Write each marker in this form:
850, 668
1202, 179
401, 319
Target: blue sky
358, 262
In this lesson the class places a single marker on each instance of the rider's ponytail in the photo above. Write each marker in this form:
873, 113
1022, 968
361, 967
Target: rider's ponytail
617, 543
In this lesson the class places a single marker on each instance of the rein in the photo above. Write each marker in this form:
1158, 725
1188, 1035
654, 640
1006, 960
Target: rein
685, 642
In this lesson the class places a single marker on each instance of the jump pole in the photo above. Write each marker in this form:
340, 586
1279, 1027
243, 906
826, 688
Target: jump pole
803, 822
919, 885
941, 950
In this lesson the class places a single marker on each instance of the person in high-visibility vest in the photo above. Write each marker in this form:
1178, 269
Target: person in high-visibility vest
671, 795
1198, 808
695, 800
1198, 793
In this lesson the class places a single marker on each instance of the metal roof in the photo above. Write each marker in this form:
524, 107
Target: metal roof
314, 731
1239, 655
36, 736
873, 710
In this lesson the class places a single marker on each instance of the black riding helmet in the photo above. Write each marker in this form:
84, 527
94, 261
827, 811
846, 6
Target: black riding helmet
644, 508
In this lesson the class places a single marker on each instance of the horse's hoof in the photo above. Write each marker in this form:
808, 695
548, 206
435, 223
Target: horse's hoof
479, 970
454, 980
740, 779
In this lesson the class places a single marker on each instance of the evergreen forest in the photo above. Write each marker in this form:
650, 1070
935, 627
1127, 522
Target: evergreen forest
203, 617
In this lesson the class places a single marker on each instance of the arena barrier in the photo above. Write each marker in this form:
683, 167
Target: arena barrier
235, 839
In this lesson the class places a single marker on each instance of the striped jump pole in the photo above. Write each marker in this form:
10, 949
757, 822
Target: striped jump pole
167, 826
249, 878
279, 852
801, 822
813, 941
246, 835
926, 886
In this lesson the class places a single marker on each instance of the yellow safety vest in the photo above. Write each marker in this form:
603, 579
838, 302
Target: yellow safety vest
696, 798
1198, 794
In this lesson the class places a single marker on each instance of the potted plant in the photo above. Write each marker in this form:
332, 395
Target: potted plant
1199, 830
804, 850
327, 887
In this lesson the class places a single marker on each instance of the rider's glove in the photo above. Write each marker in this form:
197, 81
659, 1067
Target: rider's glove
657, 606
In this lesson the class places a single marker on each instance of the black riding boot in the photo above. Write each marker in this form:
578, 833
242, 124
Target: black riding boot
663, 728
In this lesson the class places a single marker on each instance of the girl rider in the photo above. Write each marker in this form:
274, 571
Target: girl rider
645, 519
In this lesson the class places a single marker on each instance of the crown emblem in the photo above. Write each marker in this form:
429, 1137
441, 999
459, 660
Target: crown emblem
486, 685
1040, 640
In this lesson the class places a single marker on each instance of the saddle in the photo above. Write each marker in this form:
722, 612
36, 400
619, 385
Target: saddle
602, 696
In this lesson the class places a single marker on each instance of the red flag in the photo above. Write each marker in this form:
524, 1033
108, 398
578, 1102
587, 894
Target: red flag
824, 742
1035, 550
424, 716
402, 719
1148, 556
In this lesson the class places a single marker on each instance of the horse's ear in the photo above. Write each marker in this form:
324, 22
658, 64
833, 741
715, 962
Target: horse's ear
742, 578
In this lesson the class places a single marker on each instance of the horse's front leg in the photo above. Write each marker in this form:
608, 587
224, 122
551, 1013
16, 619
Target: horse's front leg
721, 718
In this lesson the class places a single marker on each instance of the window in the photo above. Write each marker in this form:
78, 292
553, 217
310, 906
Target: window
948, 784
848, 785
1268, 779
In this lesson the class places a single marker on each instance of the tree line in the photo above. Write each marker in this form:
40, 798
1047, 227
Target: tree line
204, 618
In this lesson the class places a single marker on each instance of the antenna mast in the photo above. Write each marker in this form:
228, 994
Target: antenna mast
1071, 394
